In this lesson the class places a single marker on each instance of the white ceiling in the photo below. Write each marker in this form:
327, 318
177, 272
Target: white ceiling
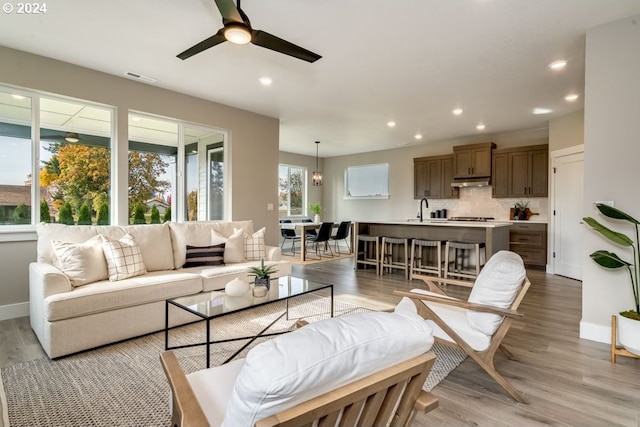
410, 61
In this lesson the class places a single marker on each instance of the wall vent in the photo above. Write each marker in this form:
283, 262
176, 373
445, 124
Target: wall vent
140, 77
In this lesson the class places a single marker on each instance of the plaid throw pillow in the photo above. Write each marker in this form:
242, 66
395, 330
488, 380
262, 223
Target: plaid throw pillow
198, 256
124, 258
254, 246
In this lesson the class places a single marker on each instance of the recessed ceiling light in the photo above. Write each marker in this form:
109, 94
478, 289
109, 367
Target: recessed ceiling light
558, 65
572, 97
16, 96
391, 124
457, 111
541, 111
265, 81
480, 126
418, 136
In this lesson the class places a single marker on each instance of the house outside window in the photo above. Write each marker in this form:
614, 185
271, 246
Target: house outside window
291, 190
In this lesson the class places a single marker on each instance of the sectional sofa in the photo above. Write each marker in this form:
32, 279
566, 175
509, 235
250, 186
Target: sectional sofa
83, 294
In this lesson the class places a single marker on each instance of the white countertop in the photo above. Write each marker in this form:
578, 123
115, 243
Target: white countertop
444, 223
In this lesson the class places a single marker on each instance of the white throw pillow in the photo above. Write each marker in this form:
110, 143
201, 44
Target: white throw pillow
234, 245
497, 285
320, 357
83, 263
124, 258
254, 246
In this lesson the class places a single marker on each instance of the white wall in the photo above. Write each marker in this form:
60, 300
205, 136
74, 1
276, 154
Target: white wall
566, 131
612, 154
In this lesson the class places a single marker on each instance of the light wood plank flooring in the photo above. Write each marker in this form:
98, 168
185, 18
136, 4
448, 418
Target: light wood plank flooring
569, 381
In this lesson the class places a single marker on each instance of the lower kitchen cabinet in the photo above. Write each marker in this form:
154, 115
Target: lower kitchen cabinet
529, 240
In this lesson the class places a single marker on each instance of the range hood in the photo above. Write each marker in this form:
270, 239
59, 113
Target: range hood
471, 182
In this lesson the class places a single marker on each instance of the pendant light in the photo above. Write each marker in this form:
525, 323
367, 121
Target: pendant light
317, 174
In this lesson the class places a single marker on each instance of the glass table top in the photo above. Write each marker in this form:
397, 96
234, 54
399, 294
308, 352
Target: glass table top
216, 303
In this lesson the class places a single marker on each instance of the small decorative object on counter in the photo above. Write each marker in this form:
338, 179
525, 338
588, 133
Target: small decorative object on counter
520, 210
261, 274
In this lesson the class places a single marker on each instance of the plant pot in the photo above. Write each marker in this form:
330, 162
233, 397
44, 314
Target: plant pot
629, 334
263, 281
316, 219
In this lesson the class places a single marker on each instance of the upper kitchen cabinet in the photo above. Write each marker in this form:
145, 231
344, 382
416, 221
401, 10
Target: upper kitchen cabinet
473, 161
432, 177
521, 172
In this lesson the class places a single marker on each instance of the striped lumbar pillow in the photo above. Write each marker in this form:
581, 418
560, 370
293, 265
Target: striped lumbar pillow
198, 256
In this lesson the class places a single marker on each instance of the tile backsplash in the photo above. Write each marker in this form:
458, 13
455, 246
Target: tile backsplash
477, 201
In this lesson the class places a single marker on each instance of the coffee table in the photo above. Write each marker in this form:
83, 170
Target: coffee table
216, 304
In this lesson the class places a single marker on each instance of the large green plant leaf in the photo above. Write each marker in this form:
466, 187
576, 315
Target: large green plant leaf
614, 213
608, 259
614, 236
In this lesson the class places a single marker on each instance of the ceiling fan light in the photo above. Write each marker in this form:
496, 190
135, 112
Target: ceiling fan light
237, 34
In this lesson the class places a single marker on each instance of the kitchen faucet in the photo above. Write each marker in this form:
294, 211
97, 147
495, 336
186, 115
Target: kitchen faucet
424, 199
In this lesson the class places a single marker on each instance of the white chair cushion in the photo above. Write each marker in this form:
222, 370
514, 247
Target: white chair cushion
320, 357
455, 317
497, 285
213, 387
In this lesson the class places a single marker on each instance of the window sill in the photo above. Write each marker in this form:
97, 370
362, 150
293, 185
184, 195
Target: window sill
18, 234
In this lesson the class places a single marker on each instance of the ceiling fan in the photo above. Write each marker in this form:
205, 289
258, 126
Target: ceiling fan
237, 29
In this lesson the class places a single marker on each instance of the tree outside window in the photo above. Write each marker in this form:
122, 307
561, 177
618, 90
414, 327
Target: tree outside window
291, 187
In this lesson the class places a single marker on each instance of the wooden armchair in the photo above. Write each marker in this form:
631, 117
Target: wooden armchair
388, 396
479, 324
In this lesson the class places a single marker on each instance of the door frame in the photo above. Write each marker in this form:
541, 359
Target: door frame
551, 241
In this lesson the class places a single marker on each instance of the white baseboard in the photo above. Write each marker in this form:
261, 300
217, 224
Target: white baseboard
593, 332
11, 311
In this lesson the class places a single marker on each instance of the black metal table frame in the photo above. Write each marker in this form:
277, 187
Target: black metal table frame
251, 338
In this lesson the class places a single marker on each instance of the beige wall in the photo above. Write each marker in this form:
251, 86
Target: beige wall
612, 150
566, 131
253, 143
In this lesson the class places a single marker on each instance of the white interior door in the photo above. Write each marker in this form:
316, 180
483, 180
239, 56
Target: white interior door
567, 205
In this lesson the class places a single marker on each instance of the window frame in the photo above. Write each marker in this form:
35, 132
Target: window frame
304, 173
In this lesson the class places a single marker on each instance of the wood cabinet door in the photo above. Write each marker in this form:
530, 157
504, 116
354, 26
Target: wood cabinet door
518, 173
538, 173
434, 178
420, 170
481, 162
500, 175
462, 163
448, 192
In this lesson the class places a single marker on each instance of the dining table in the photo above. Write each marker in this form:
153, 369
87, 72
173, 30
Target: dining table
302, 227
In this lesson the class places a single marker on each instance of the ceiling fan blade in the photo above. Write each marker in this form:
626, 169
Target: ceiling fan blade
229, 11
215, 39
269, 41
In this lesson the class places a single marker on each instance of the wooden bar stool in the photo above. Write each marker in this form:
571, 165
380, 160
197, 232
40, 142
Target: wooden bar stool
367, 243
426, 265
386, 258
462, 252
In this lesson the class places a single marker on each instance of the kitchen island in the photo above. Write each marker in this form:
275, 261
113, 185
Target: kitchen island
494, 234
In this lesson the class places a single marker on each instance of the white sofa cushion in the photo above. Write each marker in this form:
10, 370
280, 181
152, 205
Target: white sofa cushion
155, 245
254, 247
82, 262
234, 245
61, 232
497, 285
124, 258
455, 317
320, 357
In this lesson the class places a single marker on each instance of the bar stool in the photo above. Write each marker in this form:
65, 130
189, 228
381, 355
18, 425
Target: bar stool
462, 252
386, 257
367, 243
420, 265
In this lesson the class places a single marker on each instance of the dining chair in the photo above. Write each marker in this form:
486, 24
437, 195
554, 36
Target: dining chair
324, 234
310, 234
342, 234
288, 234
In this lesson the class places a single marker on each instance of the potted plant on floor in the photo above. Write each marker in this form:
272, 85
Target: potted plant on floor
628, 321
262, 274
316, 209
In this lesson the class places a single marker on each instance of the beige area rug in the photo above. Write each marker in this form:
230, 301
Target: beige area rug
123, 384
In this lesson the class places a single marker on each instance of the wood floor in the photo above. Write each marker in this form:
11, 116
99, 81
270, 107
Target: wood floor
569, 381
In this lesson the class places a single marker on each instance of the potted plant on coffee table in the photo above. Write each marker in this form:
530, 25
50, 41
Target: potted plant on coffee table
628, 322
316, 209
262, 274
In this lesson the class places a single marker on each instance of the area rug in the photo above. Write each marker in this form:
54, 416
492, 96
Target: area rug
123, 384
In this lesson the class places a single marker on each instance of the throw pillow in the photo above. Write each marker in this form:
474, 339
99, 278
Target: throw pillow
234, 245
83, 263
254, 246
124, 258
320, 357
197, 256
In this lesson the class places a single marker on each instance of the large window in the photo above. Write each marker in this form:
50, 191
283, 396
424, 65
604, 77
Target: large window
291, 193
